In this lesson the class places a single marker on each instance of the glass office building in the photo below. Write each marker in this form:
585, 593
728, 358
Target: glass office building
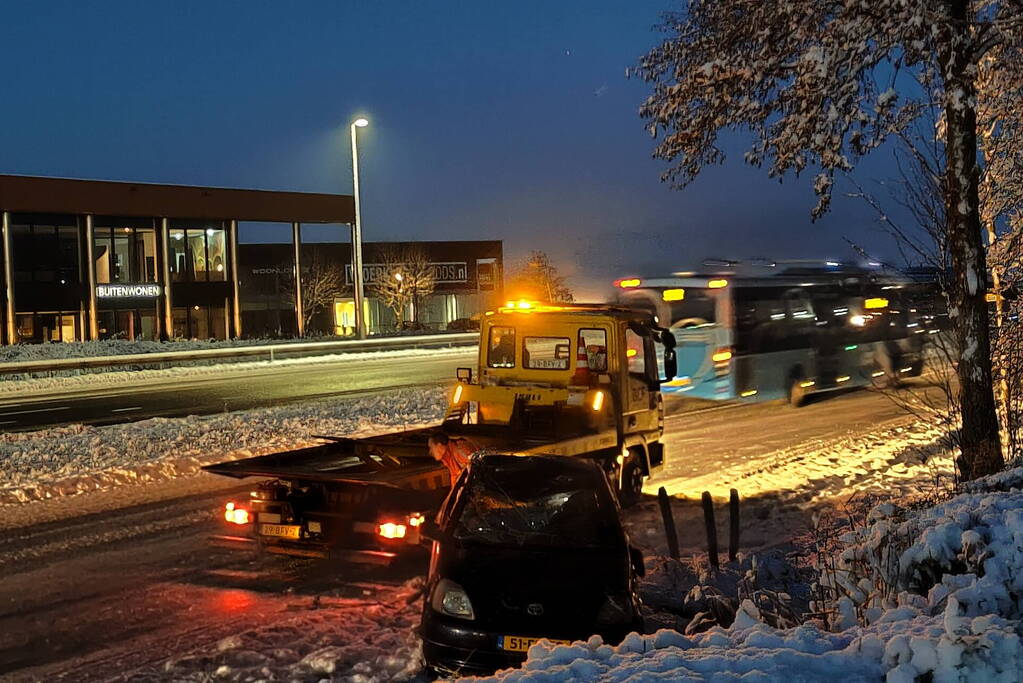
86, 260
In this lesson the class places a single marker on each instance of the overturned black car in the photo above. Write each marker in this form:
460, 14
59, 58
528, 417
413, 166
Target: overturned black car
525, 548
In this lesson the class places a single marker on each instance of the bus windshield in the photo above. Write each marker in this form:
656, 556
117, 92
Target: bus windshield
698, 307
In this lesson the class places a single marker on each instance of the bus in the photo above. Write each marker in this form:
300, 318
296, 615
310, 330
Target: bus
783, 330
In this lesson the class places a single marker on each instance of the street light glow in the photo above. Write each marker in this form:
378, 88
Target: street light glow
361, 122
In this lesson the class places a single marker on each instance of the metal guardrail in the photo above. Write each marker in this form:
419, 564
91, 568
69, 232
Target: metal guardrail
271, 351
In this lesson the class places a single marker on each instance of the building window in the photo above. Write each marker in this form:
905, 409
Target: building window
198, 253
217, 254
124, 253
178, 256
200, 322
45, 252
120, 264
101, 248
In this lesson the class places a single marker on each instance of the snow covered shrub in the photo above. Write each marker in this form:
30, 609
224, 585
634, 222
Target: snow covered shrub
967, 551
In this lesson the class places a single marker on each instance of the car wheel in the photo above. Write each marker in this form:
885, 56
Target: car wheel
631, 487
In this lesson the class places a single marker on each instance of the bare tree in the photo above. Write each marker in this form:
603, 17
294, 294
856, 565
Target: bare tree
406, 278
322, 283
538, 278
815, 81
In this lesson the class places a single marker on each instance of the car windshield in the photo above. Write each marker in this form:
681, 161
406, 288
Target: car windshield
536, 502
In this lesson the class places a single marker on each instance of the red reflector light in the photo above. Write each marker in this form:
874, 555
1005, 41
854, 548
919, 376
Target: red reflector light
391, 530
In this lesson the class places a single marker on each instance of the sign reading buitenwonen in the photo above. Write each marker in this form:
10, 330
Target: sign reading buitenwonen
128, 291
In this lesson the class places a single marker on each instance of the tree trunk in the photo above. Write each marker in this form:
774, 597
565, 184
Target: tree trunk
980, 450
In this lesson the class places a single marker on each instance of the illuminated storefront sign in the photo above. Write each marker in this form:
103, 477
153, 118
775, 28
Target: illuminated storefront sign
443, 273
128, 291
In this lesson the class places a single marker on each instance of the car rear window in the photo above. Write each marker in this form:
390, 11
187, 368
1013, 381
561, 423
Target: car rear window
546, 353
537, 506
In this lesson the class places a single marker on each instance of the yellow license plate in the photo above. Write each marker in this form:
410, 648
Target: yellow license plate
281, 530
523, 643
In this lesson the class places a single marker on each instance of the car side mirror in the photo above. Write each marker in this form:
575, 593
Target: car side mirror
670, 359
637, 560
670, 365
464, 375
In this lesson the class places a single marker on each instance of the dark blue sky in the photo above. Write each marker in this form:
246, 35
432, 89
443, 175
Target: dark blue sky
508, 121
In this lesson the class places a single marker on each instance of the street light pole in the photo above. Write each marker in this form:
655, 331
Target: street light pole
360, 319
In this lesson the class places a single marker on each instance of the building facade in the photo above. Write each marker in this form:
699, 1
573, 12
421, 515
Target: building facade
466, 275
85, 260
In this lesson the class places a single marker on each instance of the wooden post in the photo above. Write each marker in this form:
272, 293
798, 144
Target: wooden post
712, 531
669, 522
733, 525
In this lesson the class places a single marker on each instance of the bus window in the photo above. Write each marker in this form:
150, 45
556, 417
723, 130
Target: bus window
760, 320
501, 347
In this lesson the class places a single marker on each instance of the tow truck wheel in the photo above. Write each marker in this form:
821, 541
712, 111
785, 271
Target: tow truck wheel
631, 487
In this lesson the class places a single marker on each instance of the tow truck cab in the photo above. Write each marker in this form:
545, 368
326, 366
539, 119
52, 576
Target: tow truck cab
583, 378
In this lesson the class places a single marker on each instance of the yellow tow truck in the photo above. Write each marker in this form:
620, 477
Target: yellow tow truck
580, 380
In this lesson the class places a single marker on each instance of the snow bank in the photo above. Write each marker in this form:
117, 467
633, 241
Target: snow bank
123, 347
897, 650
67, 460
106, 377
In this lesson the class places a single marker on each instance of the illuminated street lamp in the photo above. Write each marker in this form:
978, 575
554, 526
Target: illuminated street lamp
360, 322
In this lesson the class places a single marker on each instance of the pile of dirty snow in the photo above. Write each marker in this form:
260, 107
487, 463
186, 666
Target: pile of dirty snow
76, 458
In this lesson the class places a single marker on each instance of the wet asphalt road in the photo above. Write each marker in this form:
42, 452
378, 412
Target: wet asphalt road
234, 389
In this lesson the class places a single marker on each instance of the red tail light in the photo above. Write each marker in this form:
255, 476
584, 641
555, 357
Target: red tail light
235, 514
391, 530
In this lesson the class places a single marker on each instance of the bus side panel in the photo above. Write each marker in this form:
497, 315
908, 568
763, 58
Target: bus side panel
770, 374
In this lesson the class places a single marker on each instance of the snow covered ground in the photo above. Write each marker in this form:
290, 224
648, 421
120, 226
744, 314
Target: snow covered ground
312, 639
108, 377
66, 460
916, 593
784, 491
